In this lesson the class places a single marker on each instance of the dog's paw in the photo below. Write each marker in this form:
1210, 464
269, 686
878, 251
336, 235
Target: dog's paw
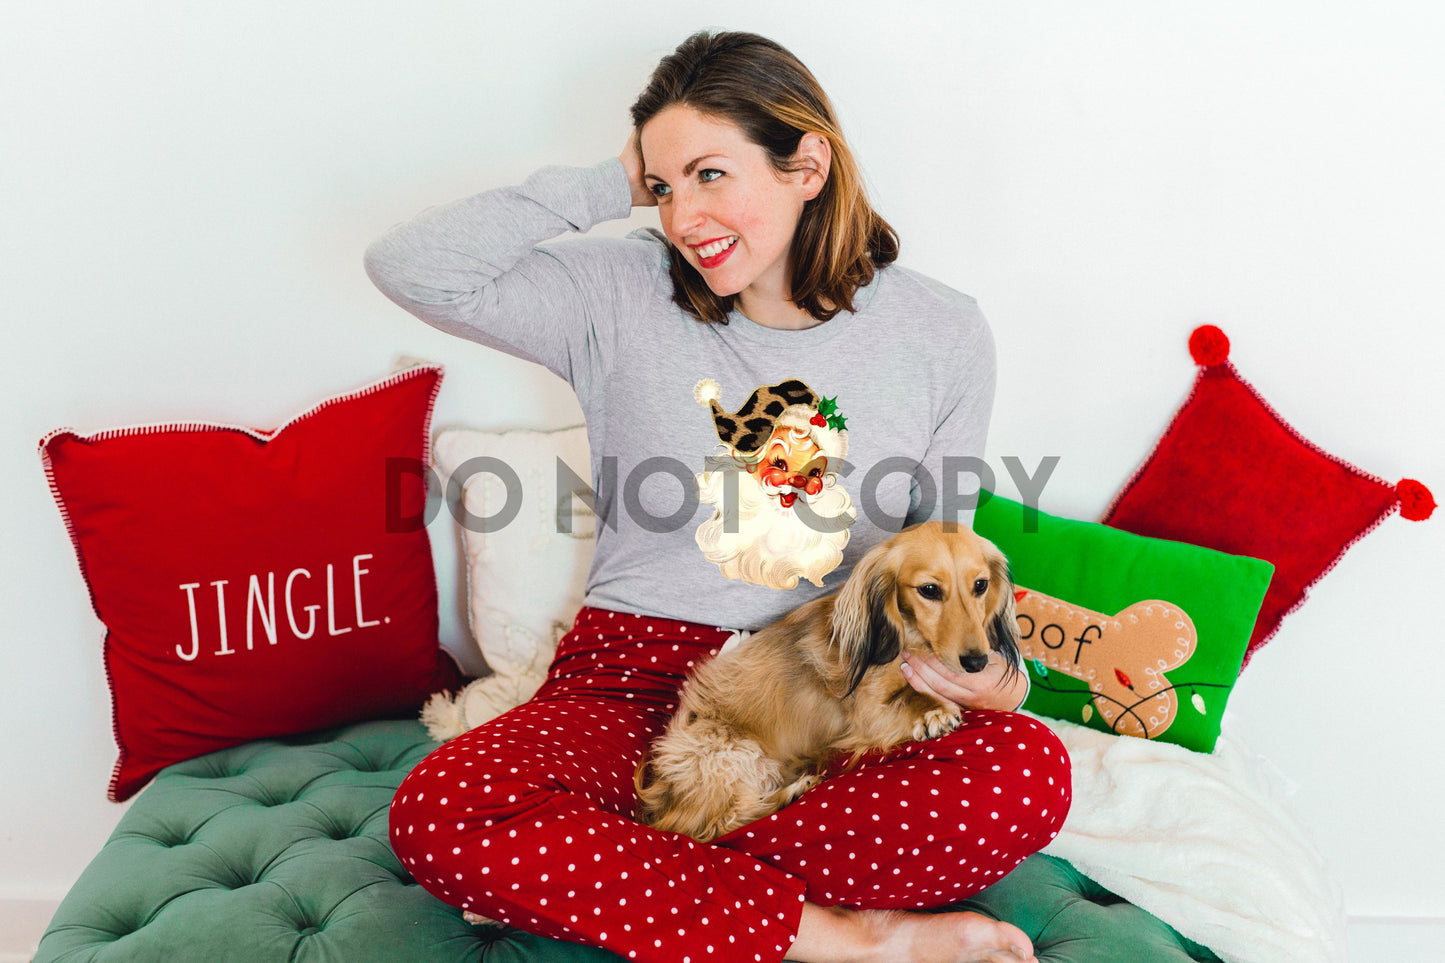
477, 919
801, 786
935, 722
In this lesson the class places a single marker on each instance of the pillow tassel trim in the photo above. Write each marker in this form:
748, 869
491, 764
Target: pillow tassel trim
151, 428
117, 770
1305, 592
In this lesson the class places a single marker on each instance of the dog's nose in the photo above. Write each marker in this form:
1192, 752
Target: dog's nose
974, 662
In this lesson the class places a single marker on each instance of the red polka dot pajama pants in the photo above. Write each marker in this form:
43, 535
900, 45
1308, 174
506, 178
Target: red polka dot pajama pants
529, 818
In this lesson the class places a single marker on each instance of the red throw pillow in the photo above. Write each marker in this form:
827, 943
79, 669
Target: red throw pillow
1231, 475
257, 583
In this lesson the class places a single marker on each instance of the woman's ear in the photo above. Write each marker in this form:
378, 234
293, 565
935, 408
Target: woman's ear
813, 159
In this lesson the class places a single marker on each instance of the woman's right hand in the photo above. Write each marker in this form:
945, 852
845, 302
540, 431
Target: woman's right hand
631, 158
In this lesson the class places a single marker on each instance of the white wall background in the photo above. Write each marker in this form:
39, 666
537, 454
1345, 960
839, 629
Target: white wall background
186, 191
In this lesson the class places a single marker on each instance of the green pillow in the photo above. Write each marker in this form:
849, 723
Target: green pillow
1127, 634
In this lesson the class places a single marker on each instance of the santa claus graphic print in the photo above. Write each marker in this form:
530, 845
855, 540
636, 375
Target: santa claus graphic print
779, 513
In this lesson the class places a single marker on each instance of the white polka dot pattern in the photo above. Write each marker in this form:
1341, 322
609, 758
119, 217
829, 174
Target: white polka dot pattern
529, 819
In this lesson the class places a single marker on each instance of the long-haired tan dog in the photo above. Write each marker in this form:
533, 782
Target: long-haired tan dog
757, 724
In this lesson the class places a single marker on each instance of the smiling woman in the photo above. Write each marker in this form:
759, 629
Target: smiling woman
775, 178
770, 293
730, 214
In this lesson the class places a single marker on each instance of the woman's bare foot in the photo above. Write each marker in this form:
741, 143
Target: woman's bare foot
476, 919
836, 935
951, 937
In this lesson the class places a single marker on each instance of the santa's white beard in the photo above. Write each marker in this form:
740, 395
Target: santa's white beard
773, 546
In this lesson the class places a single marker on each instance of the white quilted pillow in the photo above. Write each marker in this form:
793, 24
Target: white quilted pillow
525, 579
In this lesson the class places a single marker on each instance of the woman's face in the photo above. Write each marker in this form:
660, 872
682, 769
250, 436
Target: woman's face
722, 203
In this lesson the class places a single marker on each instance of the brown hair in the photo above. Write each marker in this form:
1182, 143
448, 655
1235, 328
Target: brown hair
767, 92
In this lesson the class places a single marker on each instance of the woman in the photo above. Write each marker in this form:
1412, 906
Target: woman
836, 386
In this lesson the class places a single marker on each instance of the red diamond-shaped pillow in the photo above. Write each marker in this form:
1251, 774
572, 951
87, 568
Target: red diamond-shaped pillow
1231, 475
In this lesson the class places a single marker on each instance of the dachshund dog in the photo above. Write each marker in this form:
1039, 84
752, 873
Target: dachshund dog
757, 724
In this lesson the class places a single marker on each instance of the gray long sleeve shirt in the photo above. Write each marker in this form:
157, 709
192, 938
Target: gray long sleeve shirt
883, 406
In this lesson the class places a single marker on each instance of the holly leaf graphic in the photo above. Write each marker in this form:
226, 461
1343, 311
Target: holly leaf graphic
837, 422
828, 406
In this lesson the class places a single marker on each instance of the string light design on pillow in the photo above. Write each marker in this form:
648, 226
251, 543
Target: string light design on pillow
1232, 475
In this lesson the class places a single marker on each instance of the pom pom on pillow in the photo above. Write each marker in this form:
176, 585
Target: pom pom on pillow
1208, 345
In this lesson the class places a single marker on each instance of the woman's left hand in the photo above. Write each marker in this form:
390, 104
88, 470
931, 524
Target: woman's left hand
992, 688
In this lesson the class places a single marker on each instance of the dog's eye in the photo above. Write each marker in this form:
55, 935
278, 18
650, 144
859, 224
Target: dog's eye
980, 586
930, 591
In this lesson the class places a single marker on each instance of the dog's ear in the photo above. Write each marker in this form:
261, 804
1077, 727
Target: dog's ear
1003, 623
865, 629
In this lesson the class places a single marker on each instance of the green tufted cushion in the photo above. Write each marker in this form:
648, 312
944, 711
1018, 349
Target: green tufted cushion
1073, 919
277, 850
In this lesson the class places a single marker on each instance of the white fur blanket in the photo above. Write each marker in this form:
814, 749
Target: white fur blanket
1205, 842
